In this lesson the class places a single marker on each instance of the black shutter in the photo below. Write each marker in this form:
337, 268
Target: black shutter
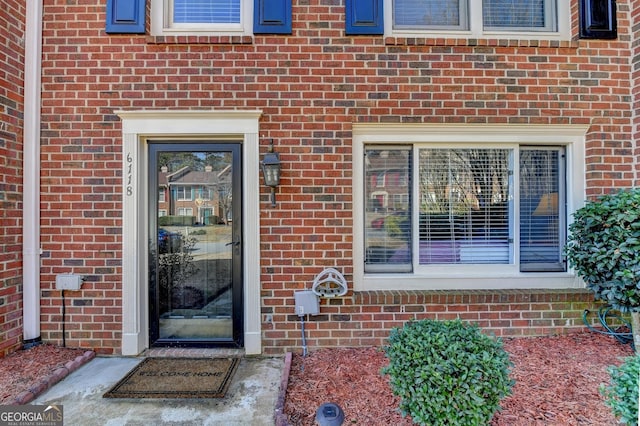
598, 19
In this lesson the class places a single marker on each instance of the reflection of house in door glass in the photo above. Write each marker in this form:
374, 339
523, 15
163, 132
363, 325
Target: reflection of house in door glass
203, 196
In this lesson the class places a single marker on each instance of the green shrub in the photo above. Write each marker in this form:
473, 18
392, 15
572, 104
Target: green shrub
603, 246
176, 220
447, 372
622, 394
397, 225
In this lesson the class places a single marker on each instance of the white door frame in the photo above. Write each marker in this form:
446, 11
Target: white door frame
137, 128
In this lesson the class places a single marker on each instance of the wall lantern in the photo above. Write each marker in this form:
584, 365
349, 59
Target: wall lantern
271, 171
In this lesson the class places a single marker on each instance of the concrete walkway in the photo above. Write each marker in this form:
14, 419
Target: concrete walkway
250, 400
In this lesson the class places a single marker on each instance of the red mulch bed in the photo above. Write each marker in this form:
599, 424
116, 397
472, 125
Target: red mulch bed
557, 380
24, 369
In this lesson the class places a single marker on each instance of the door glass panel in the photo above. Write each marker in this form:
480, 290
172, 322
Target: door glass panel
192, 282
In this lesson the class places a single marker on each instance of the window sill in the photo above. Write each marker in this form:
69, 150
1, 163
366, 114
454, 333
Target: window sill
200, 39
488, 42
505, 281
400, 298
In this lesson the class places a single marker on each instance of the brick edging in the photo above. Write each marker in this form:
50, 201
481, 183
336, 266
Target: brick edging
279, 417
56, 376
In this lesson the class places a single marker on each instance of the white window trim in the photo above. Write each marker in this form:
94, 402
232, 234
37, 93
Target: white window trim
451, 278
183, 193
476, 30
137, 128
161, 24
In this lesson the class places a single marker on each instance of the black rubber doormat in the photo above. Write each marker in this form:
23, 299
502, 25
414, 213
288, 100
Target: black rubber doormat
176, 378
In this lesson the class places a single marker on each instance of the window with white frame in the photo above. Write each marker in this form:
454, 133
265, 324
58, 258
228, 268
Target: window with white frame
203, 193
464, 210
465, 207
479, 18
216, 17
185, 211
183, 193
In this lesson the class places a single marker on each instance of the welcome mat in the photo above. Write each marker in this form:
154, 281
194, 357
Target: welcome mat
176, 378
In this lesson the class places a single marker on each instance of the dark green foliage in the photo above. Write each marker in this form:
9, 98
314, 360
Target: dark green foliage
604, 245
447, 372
176, 220
397, 226
622, 394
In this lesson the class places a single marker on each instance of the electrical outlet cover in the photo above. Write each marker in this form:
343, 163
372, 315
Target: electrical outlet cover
307, 303
68, 282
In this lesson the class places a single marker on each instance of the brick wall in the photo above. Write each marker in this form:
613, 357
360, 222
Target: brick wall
11, 122
365, 318
635, 83
310, 86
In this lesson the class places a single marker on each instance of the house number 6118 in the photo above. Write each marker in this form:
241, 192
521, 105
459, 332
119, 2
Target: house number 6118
129, 186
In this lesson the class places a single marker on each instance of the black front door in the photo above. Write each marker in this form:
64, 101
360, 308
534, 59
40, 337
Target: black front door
195, 244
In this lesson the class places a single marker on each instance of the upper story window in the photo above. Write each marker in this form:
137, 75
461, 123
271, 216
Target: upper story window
205, 12
527, 15
206, 17
203, 193
539, 19
183, 193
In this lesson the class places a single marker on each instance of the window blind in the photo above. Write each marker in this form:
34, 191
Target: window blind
206, 11
388, 209
514, 13
541, 209
430, 13
464, 206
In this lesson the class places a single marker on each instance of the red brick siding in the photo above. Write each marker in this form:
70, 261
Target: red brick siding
635, 84
12, 18
311, 86
365, 318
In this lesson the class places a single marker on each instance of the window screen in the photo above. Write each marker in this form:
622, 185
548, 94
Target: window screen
517, 14
206, 11
388, 209
464, 206
542, 212
430, 13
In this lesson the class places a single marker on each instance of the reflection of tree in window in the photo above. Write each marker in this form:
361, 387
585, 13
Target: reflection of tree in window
538, 172
388, 207
462, 179
464, 195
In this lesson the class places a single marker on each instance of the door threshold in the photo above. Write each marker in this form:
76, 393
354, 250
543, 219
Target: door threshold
172, 352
